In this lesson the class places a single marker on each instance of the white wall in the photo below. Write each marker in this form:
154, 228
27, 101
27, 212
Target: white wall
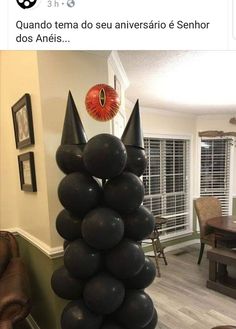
60, 72
47, 76
19, 74
167, 123
0, 132
163, 123
115, 68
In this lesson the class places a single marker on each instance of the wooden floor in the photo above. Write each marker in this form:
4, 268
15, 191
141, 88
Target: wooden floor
181, 297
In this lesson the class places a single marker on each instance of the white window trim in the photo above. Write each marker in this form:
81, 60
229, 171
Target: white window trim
188, 137
231, 176
231, 171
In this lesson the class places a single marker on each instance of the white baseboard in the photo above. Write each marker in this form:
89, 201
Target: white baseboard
182, 245
52, 253
57, 252
178, 246
31, 322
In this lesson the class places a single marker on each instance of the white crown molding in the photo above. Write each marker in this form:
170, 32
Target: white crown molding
116, 64
218, 116
52, 253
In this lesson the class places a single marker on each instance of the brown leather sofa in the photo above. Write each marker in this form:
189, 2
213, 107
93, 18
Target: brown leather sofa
14, 283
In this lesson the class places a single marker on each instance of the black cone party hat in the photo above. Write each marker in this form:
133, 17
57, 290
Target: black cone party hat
133, 135
73, 130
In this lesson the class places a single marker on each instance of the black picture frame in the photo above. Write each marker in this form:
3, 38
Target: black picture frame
23, 122
27, 172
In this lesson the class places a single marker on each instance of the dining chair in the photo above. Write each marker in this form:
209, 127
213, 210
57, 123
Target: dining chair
206, 208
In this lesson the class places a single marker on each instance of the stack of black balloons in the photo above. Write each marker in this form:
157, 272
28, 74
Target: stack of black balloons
105, 270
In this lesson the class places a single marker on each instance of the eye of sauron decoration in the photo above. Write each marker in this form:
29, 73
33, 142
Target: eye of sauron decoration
102, 102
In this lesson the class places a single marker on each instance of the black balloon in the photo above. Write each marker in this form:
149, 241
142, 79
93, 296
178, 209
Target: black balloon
111, 325
65, 244
125, 260
144, 277
102, 228
136, 160
136, 310
66, 286
69, 158
68, 226
139, 224
152, 324
79, 193
103, 294
81, 260
124, 193
76, 315
105, 156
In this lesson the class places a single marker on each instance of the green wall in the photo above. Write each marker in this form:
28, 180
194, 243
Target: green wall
46, 308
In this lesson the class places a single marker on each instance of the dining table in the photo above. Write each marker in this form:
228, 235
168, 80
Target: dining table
220, 279
223, 224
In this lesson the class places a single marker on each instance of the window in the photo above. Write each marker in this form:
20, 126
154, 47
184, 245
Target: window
215, 170
166, 183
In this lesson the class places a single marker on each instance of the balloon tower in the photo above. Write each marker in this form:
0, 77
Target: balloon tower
103, 221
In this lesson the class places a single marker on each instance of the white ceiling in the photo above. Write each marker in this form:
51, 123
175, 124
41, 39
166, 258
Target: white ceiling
198, 82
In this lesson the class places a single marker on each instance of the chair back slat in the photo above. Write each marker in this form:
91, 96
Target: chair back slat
206, 208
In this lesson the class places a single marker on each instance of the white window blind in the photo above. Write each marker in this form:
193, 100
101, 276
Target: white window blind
215, 170
166, 183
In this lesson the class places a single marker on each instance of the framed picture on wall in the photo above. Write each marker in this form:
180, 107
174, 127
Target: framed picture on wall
23, 122
27, 172
117, 87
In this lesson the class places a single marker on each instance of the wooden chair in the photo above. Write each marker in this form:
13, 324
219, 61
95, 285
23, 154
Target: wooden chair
206, 208
157, 247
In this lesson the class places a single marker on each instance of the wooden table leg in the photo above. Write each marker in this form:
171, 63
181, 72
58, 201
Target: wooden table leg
222, 271
212, 270
156, 257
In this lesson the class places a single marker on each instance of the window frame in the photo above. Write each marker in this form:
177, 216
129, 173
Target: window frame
189, 138
231, 159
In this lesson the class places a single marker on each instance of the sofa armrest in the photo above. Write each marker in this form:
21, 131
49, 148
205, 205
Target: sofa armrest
5, 325
14, 292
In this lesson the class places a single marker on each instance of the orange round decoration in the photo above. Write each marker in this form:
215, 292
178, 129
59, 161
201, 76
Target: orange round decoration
102, 102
